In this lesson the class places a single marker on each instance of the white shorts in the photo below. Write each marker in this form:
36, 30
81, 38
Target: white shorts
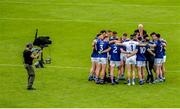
102, 60
93, 59
123, 57
115, 63
131, 60
158, 61
141, 63
164, 59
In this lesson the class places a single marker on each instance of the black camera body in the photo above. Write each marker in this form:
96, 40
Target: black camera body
41, 41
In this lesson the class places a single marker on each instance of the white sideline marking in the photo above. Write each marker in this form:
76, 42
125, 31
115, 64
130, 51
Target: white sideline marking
87, 4
89, 21
63, 67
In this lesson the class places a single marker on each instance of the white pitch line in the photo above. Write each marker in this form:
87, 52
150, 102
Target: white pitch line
87, 4
66, 67
87, 21
60, 67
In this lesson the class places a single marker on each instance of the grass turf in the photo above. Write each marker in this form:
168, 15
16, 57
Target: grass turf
72, 26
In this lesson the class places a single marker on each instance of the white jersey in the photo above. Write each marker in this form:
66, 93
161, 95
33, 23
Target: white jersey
130, 45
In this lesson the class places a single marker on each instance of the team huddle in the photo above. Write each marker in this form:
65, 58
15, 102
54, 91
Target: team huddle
140, 52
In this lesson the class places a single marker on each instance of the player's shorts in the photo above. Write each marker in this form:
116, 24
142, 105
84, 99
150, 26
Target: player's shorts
115, 63
123, 57
102, 60
131, 60
158, 61
141, 63
164, 59
94, 59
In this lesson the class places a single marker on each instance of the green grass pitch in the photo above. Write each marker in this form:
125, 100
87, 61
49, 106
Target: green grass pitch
72, 25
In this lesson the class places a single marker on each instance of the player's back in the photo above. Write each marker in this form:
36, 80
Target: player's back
130, 45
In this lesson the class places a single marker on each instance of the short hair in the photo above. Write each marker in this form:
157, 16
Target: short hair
109, 31
98, 35
158, 35
103, 31
140, 38
29, 44
125, 34
136, 31
114, 32
153, 33
132, 36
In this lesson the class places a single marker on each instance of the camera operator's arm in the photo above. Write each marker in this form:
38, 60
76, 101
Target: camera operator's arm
37, 55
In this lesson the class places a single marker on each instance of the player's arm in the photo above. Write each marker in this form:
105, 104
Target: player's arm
150, 51
142, 45
152, 45
93, 44
119, 43
123, 51
107, 50
132, 54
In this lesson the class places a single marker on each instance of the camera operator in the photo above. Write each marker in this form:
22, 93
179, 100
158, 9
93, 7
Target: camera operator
28, 61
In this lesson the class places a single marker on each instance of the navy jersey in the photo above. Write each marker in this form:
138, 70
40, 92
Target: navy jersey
158, 49
150, 57
141, 53
113, 38
101, 46
94, 53
115, 52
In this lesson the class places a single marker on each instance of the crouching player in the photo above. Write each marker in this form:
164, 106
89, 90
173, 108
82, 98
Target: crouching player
102, 47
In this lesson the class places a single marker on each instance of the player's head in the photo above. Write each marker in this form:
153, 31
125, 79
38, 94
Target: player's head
158, 35
132, 36
103, 32
115, 33
101, 36
147, 39
153, 34
140, 38
109, 32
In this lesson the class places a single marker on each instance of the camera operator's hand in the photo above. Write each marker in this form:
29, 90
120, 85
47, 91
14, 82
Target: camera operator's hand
40, 52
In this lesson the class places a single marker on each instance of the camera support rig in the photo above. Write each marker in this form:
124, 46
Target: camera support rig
42, 42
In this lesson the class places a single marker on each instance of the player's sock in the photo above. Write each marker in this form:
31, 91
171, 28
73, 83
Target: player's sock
129, 82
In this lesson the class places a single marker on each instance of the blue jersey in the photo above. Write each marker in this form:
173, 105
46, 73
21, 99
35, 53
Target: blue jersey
113, 38
141, 53
115, 52
101, 46
94, 53
158, 49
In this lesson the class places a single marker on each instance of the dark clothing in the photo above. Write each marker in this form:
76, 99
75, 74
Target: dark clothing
28, 60
149, 66
31, 75
27, 57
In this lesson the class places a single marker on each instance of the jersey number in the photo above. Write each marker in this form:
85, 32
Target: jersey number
115, 49
142, 50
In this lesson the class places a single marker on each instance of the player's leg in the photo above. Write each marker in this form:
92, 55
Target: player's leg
139, 72
92, 70
97, 71
120, 70
133, 74
163, 68
103, 71
128, 73
112, 64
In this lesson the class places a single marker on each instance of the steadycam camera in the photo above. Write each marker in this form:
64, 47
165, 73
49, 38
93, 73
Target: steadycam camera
41, 41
